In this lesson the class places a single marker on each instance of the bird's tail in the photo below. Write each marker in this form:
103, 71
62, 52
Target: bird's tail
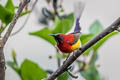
78, 10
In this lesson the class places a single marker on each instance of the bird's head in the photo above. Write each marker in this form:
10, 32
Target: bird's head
58, 37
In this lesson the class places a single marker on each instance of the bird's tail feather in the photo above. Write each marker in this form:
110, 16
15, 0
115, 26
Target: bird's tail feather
78, 10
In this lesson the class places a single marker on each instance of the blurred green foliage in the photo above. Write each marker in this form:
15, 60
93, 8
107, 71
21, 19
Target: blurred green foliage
7, 13
60, 26
28, 70
31, 71
44, 34
64, 76
91, 73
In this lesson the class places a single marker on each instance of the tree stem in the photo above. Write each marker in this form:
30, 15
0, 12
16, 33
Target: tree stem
2, 64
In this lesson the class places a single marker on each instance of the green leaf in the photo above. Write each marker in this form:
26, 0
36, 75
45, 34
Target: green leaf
91, 73
5, 15
84, 39
93, 58
14, 57
13, 54
96, 28
44, 34
63, 76
16, 7
103, 40
31, 71
2, 28
10, 6
64, 25
13, 66
25, 12
62, 10
71, 17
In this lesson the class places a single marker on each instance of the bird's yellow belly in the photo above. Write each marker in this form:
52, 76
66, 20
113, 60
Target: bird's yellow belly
76, 45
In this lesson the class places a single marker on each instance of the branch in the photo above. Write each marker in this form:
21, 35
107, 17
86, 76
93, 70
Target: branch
6, 36
58, 59
55, 8
72, 58
25, 19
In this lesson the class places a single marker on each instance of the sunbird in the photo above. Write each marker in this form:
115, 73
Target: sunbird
67, 43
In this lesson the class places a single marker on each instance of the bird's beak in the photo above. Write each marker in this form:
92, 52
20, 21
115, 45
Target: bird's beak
54, 35
57, 38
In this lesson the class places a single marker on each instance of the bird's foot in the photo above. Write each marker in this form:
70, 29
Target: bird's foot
70, 68
72, 75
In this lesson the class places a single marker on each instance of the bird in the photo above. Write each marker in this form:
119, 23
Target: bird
68, 43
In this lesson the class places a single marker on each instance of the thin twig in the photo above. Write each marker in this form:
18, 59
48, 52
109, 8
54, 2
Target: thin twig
93, 57
22, 5
82, 67
72, 58
26, 20
55, 8
49, 71
58, 59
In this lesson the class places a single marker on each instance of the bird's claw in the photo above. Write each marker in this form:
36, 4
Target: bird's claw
69, 68
73, 76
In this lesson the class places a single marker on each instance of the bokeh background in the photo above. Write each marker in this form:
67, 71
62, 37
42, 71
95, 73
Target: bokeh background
38, 50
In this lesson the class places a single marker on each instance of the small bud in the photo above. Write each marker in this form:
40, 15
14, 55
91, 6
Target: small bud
50, 57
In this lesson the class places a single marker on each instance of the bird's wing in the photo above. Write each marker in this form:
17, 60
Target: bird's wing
76, 37
78, 10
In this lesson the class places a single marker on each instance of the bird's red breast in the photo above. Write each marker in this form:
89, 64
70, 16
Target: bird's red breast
66, 46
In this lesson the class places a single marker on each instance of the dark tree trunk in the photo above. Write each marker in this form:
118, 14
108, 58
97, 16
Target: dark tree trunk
2, 64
